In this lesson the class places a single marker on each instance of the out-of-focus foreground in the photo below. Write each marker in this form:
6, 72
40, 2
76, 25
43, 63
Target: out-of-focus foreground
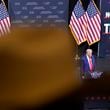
36, 67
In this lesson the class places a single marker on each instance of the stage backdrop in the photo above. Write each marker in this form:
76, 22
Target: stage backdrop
25, 13
104, 45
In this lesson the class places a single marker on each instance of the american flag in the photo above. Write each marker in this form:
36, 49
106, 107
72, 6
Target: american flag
93, 23
4, 20
78, 23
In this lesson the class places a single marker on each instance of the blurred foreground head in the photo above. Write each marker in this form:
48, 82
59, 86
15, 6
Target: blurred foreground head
36, 66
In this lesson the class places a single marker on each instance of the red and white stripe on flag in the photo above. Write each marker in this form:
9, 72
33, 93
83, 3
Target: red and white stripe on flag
5, 26
78, 23
4, 20
93, 24
78, 28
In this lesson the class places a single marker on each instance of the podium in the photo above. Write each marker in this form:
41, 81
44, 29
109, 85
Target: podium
96, 74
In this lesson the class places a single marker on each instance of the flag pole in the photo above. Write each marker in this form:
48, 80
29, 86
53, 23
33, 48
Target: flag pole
4, 3
98, 53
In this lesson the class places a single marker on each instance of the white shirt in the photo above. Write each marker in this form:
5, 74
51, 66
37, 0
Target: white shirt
88, 61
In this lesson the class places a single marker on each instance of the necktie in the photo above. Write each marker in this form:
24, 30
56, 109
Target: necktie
90, 64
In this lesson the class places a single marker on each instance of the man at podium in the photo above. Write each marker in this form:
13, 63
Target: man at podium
87, 64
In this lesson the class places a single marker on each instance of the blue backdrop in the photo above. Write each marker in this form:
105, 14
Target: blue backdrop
38, 12
104, 46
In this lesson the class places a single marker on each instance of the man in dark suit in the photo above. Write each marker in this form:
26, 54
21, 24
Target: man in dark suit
87, 64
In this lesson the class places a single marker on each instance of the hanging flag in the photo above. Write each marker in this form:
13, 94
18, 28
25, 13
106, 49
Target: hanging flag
4, 20
93, 23
78, 23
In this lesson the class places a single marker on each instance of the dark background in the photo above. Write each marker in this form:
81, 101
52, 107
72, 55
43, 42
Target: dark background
84, 46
